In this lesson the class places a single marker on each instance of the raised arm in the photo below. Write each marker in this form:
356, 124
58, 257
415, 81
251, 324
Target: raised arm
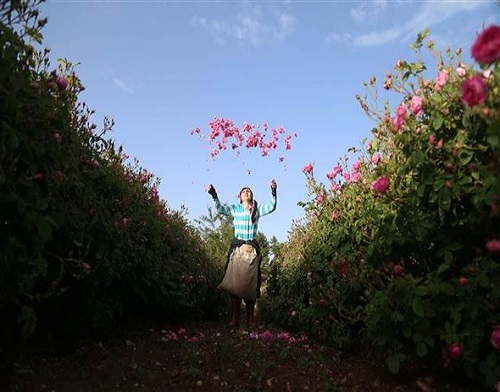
223, 209
267, 208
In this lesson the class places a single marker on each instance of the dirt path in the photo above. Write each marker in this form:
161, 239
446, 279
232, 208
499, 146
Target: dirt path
208, 356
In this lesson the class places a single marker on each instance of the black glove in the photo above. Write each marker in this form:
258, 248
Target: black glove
211, 191
273, 188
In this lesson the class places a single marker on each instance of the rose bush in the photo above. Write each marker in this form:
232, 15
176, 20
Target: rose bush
85, 241
413, 221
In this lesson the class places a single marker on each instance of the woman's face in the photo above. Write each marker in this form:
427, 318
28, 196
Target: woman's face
246, 195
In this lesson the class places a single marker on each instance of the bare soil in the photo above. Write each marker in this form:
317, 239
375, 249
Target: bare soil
210, 356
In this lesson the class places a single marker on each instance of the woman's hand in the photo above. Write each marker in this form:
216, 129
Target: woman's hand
211, 191
273, 187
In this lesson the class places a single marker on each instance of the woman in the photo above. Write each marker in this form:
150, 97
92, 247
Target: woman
246, 216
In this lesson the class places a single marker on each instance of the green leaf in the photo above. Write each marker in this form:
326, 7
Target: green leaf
27, 318
417, 337
444, 199
421, 291
433, 197
438, 184
438, 120
442, 268
422, 349
44, 228
465, 156
494, 140
418, 307
447, 288
491, 360
456, 316
421, 190
420, 39
393, 362
448, 258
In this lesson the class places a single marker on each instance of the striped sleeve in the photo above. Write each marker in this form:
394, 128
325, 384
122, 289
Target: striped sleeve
222, 208
267, 208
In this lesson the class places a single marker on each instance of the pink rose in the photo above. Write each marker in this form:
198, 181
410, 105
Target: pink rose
455, 350
343, 268
398, 270
487, 73
463, 281
381, 184
307, 168
62, 82
335, 172
416, 105
493, 246
486, 49
399, 120
85, 266
495, 337
461, 71
355, 177
356, 165
474, 91
59, 175
441, 80
320, 198
376, 159
52, 85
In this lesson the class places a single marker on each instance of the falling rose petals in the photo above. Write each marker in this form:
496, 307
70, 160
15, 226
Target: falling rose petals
224, 135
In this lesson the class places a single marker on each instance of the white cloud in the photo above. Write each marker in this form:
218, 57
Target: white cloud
122, 85
378, 38
429, 13
250, 25
369, 12
339, 38
286, 25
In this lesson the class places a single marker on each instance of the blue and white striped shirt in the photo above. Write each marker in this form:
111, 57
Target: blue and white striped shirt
244, 229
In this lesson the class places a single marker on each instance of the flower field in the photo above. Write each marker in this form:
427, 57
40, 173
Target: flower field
397, 263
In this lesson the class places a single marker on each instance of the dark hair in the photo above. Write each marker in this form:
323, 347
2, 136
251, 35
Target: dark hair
253, 210
242, 189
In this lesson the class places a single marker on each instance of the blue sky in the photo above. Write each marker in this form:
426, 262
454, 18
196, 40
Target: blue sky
162, 68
